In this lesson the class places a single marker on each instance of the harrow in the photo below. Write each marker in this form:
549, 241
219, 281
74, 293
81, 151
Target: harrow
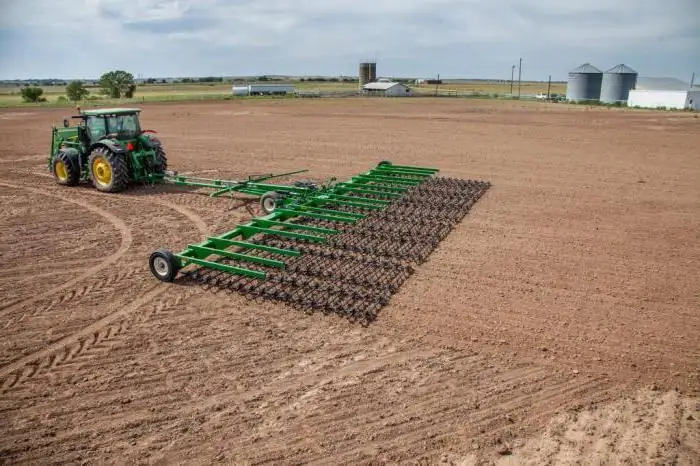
342, 247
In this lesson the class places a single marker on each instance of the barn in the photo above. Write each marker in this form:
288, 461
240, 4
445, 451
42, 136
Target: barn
667, 93
387, 89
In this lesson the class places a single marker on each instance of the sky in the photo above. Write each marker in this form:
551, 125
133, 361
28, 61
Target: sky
408, 38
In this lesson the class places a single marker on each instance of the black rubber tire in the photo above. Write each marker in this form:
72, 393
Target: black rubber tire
164, 265
117, 164
384, 162
268, 201
72, 167
161, 160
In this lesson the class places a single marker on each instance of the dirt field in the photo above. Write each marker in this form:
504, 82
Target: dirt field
558, 322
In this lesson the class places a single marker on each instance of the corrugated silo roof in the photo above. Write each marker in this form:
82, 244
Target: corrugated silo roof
586, 68
621, 69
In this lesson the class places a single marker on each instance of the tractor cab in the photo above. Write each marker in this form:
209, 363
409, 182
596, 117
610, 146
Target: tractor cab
121, 124
118, 123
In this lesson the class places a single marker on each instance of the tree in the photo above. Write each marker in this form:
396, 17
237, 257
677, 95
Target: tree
31, 93
76, 91
130, 91
117, 84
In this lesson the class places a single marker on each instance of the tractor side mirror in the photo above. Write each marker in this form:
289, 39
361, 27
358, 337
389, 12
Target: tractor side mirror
66, 123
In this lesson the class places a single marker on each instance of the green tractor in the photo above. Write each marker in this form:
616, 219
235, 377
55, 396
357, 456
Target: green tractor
108, 148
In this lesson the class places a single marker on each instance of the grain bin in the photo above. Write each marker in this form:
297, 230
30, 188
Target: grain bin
584, 83
372, 72
365, 72
617, 83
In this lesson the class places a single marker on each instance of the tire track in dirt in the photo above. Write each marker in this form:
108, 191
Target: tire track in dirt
648, 427
58, 264
96, 339
444, 407
85, 340
51, 356
101, 287
124, 231
191, 216
105, 282
421, 421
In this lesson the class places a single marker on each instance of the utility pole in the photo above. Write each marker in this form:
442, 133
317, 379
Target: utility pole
512, 75
692, 80
437, 84
520, 74
549, 86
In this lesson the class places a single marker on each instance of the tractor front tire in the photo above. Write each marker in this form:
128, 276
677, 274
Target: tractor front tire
108, 171
65, 169
164, 265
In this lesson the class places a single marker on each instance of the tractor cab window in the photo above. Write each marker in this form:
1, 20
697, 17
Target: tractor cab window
97, 128
125, 126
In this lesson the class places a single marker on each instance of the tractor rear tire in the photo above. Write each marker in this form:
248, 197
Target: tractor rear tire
108, 171
164, 265
162, 161
269, 201
65, 169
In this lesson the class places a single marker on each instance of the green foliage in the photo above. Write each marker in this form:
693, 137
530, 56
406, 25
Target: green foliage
32, 94
76, 91
117, 84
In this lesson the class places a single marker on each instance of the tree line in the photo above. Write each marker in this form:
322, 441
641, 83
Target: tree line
113, 84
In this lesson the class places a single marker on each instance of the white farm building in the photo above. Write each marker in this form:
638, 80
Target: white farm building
263, 89
386, 89
664, 93
689, 99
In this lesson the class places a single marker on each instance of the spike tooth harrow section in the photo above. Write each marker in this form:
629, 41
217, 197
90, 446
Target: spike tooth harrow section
328, 253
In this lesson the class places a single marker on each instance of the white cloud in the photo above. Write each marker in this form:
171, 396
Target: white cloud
473, 37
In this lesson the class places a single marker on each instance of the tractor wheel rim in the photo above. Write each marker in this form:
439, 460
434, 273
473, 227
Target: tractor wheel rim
269, 204
102, 171
61, 171
161, 266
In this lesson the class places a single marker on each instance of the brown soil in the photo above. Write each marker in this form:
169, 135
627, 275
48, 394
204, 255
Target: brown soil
557, 322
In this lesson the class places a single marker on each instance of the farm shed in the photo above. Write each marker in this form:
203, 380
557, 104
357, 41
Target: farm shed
263, 89
671, 99
385, 89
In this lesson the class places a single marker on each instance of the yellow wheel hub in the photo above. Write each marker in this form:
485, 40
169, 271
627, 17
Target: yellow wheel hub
61, 170
102, 171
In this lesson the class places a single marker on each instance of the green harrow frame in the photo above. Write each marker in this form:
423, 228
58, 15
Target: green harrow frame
342, 247
384, 183
253, 186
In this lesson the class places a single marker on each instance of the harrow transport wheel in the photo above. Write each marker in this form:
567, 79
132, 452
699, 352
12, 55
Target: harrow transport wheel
164, 265
108, 170
268, 202
65, 169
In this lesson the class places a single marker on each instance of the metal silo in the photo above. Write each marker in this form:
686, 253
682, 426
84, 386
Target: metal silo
365, 73
372, 72
617, 83
584, 83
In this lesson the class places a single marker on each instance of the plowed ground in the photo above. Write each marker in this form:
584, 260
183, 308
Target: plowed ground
557, 322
